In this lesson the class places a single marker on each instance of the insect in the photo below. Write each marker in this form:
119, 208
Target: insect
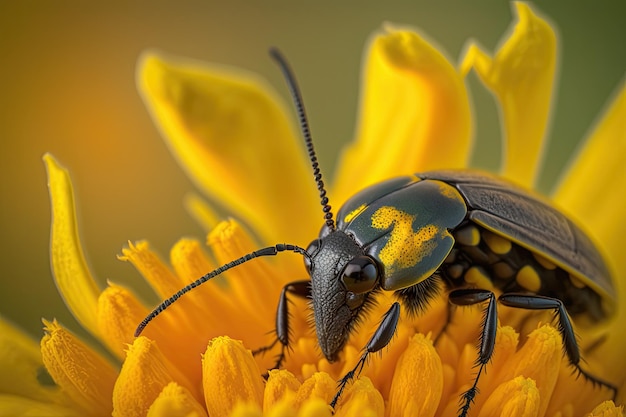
465, 232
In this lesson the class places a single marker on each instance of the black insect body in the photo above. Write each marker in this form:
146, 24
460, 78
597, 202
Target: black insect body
467, 232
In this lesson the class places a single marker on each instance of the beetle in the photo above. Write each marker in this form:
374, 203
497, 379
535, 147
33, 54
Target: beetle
469, 233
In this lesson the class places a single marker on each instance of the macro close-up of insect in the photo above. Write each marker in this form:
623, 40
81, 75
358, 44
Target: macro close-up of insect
468, 235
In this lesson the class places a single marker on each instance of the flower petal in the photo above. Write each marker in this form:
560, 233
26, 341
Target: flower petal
69, 266
521, 76
539, 359
318, 385
599, 171
73, 365
315, 407
592, 192
119, 312
281, 384
361, 399
415, 114
201, 211
418, 380
229, 376
518, 397
144, 375
607, 409
232, 136
11, 406
176, 401
20, 361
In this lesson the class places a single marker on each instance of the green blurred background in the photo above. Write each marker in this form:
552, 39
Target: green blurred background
67, 86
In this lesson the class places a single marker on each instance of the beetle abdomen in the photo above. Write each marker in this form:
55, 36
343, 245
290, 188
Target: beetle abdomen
483, 259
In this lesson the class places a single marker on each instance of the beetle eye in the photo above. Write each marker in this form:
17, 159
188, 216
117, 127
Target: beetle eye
313, 247
360, 275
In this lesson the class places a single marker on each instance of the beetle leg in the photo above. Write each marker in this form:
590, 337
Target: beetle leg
537, 302
300, 289
381, 338
471, 296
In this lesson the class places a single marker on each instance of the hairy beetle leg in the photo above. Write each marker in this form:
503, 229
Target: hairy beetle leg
537, 302
300, 289
381, 338
471, 296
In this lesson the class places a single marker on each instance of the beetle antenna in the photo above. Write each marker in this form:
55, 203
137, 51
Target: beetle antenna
269, 251
306, 132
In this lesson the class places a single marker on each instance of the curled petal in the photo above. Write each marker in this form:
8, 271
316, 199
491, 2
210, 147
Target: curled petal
229, 376
69, 266
176, 401
521, 76
418, 380
72, 364
232, 137
415, 112
144, 375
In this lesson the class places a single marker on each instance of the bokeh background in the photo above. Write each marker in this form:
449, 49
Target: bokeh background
67, 86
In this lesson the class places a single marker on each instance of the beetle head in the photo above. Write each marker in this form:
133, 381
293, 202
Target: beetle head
342, 278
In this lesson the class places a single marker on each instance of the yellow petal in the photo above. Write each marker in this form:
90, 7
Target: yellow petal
418, 380
148, 263
69, 266
176, 401
518, 397
593, 193
20, 361
119, 312
315, 407
539, 359
361, 399
415, 114
142, 378
280, 384
231, 135
607, 409
246, 410
11, 406
229, 376
201, 211
319, 385
255, 281
74, 366
600, 173
521, 76
190, 263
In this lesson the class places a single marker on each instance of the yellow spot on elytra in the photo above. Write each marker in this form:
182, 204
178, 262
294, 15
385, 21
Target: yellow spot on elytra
528, 278
405, 247
350, 216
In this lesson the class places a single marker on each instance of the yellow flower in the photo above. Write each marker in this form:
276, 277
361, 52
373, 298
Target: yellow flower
234, 139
